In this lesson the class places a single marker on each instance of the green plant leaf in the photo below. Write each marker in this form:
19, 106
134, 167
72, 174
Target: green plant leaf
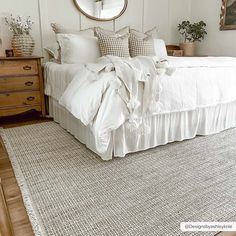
192, 32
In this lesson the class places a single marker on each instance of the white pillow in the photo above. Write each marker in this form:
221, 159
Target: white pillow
52, 50
78, 48
59, 29
160, 48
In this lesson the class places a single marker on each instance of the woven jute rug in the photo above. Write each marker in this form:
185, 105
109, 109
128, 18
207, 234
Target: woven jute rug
69, 190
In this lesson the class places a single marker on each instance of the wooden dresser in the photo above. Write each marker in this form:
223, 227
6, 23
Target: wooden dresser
21, 85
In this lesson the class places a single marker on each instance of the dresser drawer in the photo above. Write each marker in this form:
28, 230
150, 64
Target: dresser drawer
19, 99
18, 67
18, 110
18, 83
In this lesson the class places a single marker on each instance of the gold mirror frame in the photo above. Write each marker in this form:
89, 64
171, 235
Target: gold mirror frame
101, 19
223, 26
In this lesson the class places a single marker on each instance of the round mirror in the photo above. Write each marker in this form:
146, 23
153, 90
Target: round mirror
102, 10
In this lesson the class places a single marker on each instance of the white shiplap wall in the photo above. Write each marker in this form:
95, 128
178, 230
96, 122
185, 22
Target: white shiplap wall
216, 43
140, 14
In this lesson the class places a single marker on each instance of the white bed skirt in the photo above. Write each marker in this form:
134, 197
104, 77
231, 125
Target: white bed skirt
165, 128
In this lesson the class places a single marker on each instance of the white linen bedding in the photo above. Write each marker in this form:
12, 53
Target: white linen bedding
115, 91
197, 83
57, 77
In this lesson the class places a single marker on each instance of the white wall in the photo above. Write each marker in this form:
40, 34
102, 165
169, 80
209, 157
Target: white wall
220, 43
140, 14
178, 11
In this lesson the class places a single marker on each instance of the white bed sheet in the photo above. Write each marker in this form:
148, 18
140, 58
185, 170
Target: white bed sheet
58, 76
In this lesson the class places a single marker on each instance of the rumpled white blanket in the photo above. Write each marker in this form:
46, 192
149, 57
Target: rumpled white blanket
113, 91
196, 83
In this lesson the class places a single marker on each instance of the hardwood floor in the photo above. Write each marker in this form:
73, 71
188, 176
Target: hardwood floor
19, 218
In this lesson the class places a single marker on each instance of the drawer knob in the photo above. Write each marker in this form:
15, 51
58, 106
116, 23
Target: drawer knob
27, 67
29, 83
30, 99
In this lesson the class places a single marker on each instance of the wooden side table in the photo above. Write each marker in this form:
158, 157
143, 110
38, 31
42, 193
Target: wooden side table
21, 85
175, 51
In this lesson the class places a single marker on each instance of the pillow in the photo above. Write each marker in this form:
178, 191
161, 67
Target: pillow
141, 46
52, 50
78, 48
153, 33
121, 32
59, 29
160, 49
114, 45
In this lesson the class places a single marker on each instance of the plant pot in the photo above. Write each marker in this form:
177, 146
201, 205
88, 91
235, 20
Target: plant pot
22, 45
188, 48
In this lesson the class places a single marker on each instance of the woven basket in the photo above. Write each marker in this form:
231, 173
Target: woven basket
22, 45
188, 48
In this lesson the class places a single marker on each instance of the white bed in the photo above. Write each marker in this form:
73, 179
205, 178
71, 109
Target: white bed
176, 120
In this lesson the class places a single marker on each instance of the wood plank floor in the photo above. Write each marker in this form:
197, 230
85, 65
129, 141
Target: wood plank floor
18, 215
19, 218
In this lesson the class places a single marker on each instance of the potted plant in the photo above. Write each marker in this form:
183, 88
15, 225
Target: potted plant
191, 33
22, 42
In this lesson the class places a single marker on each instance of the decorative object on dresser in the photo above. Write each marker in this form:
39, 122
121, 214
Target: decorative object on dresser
174, 50
9, 53
21, 85
191, 33
228, 15
22, 42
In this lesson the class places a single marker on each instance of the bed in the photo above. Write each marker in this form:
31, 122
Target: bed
198, 99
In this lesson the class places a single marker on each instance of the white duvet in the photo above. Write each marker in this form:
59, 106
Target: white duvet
196, 83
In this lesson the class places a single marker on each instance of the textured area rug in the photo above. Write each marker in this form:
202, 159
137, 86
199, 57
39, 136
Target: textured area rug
68, 190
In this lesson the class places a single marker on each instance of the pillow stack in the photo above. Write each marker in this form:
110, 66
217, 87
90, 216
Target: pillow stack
59, 29
76, 46
86, 46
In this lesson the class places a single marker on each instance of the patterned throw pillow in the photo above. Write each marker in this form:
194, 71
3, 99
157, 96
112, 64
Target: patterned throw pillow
141, 46
114, 45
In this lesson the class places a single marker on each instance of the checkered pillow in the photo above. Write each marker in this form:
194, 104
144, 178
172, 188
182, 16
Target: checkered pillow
113, 45
141, 46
